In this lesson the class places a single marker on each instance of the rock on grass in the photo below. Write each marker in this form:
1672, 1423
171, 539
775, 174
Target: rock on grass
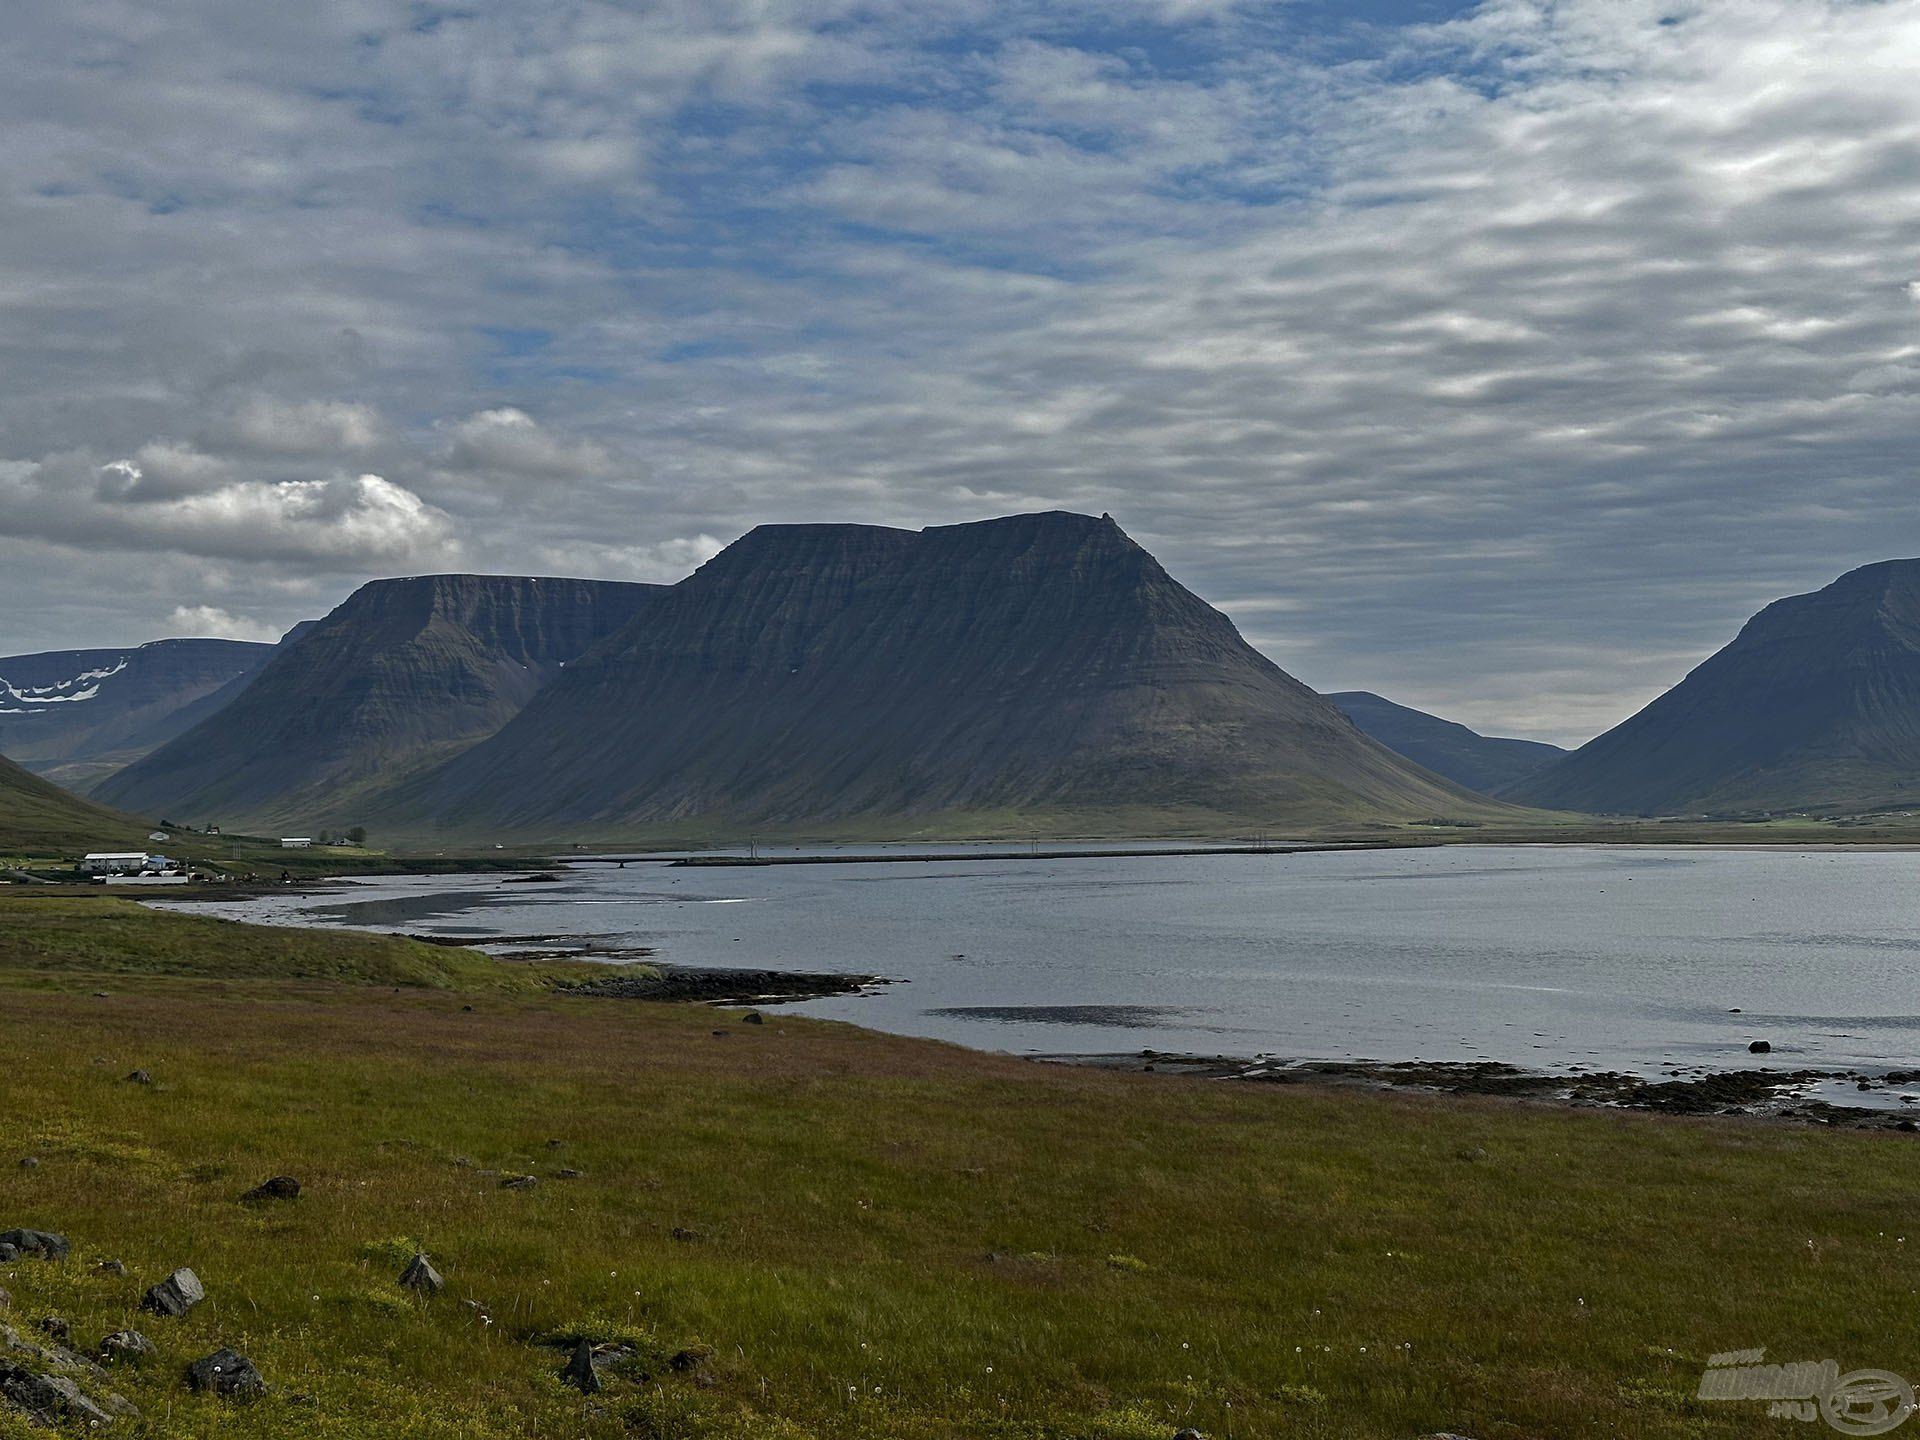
126, 1347
44, 1243
226, 1373
47, 1399
420, 1275
175, 1295
579, 1371
280, 1187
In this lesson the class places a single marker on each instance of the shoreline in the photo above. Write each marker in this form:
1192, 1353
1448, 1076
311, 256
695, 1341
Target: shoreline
1711, 1094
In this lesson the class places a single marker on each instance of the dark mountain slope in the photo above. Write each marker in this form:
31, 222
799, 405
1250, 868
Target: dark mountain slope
38, 818
1814, 706
1039, 665
1479, 762
398, 675
75, 716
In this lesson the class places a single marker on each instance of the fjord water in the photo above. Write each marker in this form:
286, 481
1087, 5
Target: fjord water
1544, 957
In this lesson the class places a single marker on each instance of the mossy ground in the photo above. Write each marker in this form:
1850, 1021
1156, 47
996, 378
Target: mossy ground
880, 1239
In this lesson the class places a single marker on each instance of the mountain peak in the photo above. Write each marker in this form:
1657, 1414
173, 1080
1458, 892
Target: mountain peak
1814, 705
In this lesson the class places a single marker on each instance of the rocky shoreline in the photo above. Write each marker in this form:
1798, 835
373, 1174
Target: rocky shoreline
714, 985
1771, 1094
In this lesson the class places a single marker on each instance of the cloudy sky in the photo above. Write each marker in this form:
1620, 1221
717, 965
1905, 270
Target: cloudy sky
1501, 357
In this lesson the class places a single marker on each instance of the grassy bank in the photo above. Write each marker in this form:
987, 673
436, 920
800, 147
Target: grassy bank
849, 1235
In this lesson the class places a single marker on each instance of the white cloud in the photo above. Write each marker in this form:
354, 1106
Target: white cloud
508, 441
210, 621
1485, 355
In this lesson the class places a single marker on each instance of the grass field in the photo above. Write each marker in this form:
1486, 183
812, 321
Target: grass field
877, 1237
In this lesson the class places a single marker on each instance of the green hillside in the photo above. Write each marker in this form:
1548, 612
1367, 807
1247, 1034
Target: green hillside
38, 818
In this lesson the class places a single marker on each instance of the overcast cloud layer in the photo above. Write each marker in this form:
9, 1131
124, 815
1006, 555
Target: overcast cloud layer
1501, 359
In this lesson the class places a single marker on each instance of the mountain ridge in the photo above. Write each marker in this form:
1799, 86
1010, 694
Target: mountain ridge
840, 674
1483, 763
1814, 705
402, 671
75, 716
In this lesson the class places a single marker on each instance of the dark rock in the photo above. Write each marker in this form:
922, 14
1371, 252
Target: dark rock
6, 1300
1760, 1047
520, 1182
126, 1347
175, 1295
579, 1372
8, 1254
721, 1034
111, 1267
555, 1144
44, 1243
568, 1173
48, 1399
753, 1017
420, 1275
1906, 1125
683, 1362
140, 1077
56, 1329
227, 1374
1188, 1435
29, 1162
280, 1187
685, 1236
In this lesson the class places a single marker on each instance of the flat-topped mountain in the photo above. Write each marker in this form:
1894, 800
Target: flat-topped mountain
1485, 763
1033, 670
75, 716
1814, 706
399, 675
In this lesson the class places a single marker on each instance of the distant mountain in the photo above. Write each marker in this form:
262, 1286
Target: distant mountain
1479, 762
38, 818
1038, 671
75, 716
1814, 706
403, 673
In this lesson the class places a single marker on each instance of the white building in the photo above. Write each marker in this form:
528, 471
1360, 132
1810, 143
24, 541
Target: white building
295, 842
115, 862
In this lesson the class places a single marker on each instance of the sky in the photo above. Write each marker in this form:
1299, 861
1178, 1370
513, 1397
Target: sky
1501, 358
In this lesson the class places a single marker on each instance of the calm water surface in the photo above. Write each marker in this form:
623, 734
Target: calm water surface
1551, 958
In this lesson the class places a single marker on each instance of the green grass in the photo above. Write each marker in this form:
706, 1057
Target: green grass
102, 937
894, 1240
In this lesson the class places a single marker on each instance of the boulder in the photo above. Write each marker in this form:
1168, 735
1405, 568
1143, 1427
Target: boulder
48, 1399
44, 1243
175, 1295
117, 1268
56, 1329
126, 1347
140, 1077
6, 1300
753, 1017
579, 1371
420, 1275
520, 1182
29, 1162
8, 1254
226, 1373
1188, 1435
280, 1187
1760, 1047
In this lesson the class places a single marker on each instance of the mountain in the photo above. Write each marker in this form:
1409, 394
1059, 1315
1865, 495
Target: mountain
1814, 706
401, 674
38, 818
75, 716
1479, 762
1037, 671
